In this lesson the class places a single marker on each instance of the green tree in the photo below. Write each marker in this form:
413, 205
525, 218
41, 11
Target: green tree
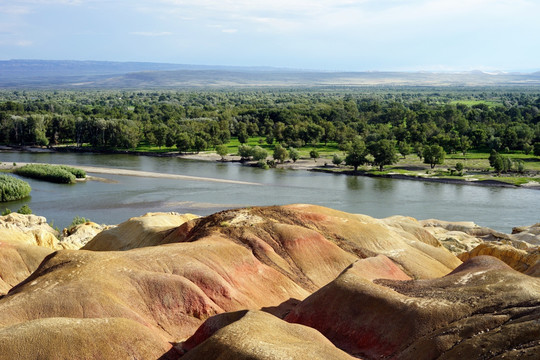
222, 150
536, 150
294, 154
433, 155
459, 168
314, 154
242, 133
464, 144
418, 149
493, 157
356, 155
259, 154
199, 144
160, 133
384, 153
404, 148
280, 153
183, 142
520, 166
498, 164
245, 152
337, 160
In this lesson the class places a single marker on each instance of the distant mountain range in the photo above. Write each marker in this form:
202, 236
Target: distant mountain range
67, 74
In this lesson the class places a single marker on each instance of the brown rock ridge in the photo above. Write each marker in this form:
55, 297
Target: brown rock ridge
483, 309
170, 289
254, 258
254, 335
317, 243
18, 258
147, 230
520, 260
65, 338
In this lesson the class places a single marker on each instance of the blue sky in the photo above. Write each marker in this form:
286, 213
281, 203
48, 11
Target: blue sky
353, 35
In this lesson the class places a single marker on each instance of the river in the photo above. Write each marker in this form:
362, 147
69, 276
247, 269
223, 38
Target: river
126, 196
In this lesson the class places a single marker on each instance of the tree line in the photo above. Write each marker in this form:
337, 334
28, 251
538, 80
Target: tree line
412, 120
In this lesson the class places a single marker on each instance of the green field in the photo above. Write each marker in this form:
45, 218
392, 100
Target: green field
476, 102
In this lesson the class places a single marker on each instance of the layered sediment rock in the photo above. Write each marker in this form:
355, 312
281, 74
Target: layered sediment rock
482, 309
154, 280
520, 260
147, 230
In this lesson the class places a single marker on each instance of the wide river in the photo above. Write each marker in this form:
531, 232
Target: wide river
126, 196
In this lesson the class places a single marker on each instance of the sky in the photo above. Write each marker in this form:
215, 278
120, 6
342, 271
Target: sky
343, 35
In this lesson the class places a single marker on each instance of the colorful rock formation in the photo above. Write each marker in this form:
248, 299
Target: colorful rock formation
296, 281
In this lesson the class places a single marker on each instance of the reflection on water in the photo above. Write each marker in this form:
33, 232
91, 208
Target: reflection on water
353, 183
499, 208
384, 185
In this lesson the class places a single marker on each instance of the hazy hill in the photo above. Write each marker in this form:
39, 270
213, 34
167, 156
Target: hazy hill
104, 74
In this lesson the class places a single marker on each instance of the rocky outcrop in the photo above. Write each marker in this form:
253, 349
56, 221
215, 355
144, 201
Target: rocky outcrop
456, 241
147, 230
257, 335
18, 258
77, 236
529, 234
482, 309
462, 237
35, 229
520, 260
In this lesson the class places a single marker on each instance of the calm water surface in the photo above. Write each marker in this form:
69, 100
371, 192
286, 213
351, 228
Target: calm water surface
111, 203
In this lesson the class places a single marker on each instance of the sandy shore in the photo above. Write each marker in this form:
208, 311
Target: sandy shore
124, 172
300, 164
320, 165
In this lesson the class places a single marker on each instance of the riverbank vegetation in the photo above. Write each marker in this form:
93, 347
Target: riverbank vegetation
52, 173
438, 125
12, 188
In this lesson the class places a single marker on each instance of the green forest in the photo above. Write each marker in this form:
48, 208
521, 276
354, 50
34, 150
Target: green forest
409, 120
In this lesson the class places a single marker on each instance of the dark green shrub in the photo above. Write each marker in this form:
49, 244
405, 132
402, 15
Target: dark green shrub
77, 220
6, 212
25, 210
79, 173
12, 188
47, 173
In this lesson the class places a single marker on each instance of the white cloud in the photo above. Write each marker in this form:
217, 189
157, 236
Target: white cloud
24, 43
14, 10
229, 31
151, 33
